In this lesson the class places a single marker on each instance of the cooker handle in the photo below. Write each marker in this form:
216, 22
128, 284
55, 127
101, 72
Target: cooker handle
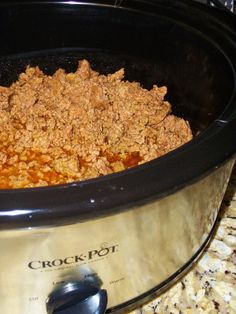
220, 5
77, 298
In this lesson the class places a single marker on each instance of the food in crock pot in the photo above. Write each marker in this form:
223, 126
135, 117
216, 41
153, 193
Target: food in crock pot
73, 126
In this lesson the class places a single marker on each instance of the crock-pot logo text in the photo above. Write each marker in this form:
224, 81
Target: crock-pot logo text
82, 258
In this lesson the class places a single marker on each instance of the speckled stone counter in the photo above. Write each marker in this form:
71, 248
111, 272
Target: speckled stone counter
210, 286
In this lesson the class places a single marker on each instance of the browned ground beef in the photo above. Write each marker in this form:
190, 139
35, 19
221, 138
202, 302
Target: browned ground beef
73, 126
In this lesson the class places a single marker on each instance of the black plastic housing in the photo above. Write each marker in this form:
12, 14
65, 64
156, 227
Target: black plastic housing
186, 46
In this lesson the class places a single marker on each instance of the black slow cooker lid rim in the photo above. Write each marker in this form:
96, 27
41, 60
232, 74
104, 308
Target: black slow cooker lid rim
137, 5
214, 15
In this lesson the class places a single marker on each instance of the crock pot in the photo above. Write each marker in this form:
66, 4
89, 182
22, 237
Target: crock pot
115, 241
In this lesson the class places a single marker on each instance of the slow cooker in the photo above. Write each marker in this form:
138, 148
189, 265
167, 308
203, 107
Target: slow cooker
113, 242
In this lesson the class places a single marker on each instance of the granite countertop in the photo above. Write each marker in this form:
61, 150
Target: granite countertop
210, 286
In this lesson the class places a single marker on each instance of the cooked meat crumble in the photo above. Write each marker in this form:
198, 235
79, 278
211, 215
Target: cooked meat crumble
73, 126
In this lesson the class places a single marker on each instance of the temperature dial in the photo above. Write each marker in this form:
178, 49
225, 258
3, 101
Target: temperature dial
77, 298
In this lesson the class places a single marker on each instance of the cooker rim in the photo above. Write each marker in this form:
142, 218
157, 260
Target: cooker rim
26, 207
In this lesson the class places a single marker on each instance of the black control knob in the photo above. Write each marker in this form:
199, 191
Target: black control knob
77, 298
